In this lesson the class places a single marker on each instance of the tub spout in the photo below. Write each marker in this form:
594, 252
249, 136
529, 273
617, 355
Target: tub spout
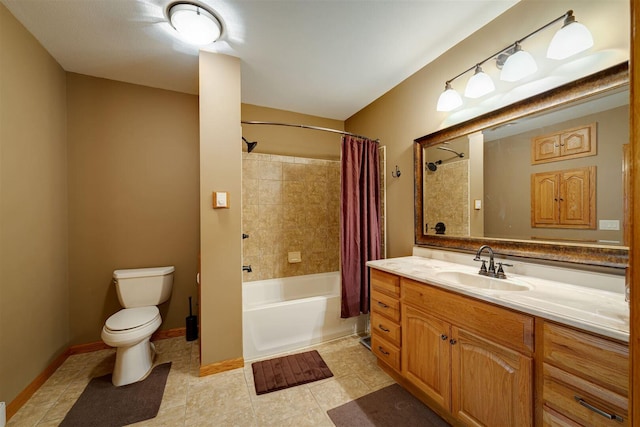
246, 268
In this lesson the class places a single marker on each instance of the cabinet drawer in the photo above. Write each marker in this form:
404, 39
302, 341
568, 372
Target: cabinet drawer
386, 328
564, 392
385, 305
385, 351
596, 359
551, 418
511, 329
384, 282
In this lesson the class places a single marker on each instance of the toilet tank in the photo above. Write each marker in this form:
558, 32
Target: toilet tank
141, 287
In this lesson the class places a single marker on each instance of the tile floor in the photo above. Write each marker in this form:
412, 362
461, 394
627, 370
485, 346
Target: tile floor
225, 399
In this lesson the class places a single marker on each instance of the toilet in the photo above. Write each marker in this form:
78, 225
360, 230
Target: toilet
129, 330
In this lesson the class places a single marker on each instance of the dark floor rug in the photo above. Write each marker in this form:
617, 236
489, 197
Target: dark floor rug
288, 371
102, 404
391, 406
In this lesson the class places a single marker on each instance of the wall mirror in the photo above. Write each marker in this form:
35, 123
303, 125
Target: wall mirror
486, 180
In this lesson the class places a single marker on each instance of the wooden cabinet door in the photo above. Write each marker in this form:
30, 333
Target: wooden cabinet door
578, 142
566, 144
564, 199
426, 354
545, 148
491, 384
577, 194
545, 208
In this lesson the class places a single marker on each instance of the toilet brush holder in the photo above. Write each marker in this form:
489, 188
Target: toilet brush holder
192, 325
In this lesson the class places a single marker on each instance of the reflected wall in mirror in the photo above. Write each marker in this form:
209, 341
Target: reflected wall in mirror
477, 179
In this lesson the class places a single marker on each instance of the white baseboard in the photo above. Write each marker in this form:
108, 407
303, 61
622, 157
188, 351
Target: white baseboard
3, 414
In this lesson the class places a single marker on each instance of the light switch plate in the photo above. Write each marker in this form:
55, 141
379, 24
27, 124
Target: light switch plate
220, 199
477, 204
609, 224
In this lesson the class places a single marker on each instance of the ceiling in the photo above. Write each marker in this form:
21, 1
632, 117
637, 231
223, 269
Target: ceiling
318, 57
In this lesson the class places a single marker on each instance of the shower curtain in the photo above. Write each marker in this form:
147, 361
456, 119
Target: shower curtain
360, 237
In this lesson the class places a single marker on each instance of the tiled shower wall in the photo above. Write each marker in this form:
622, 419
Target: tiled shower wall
290, 204
446, 198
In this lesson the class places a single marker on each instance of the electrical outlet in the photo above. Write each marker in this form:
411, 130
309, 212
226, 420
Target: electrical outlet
609, 224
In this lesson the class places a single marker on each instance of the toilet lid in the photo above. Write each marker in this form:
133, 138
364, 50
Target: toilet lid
129, 318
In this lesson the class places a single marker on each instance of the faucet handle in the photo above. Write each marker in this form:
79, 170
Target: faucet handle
483, 268
500, 273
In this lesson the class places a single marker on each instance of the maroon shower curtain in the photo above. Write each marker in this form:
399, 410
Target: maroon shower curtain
360, 221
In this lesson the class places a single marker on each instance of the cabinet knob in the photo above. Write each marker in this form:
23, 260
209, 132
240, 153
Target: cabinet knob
444, 337
452, 341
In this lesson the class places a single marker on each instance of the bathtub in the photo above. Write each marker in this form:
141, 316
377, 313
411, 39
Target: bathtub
285, 314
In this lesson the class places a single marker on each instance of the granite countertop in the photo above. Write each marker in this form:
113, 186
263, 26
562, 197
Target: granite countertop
599, 311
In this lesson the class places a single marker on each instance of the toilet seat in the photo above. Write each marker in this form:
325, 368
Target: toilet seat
131, 318
131, 325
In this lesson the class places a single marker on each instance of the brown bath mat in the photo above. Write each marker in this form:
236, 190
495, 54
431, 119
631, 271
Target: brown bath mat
102, 404
391, 406
288, 371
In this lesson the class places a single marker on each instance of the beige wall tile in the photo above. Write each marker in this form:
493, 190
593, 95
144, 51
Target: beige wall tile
298, 206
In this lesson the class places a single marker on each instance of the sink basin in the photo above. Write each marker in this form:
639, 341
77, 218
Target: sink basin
481, 282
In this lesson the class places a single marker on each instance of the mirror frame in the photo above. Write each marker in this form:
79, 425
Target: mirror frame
595, 255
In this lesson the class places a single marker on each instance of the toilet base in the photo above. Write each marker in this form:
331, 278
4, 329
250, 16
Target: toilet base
133, 363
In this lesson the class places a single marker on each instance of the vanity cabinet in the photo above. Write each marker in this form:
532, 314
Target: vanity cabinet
585, 378
567, 144
564, 199
471, 358
386, 335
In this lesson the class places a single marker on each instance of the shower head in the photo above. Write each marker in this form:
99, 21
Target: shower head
433, 166
453, 151
250, 145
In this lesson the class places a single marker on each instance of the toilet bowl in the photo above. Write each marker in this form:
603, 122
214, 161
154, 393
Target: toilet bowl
130, 329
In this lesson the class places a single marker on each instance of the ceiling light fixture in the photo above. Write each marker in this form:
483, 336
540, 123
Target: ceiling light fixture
516, 64
194, 24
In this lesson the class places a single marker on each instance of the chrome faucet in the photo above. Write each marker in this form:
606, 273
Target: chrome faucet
491, 271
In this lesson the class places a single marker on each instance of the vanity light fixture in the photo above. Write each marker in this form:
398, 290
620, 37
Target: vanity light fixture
479, 84
194, 24
519, 64
449, 99
569, 40
516, 64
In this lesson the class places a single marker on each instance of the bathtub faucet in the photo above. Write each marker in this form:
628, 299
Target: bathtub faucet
246, 268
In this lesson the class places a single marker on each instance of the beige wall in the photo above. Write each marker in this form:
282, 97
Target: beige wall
290, 204
220, 229
408, 110
133, 195
34, 327
291, 141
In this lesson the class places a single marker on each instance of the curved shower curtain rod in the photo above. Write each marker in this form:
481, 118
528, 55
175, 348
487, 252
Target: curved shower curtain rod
307, 127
